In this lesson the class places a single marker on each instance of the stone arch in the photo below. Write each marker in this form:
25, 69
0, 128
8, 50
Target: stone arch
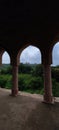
2, 51
24, 47
46, 61
14, 63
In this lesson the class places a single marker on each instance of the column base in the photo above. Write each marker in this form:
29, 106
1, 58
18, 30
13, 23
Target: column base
14, 92
48, 102
49, 99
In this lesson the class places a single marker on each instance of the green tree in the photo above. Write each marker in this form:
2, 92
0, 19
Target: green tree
38, 70
25, 68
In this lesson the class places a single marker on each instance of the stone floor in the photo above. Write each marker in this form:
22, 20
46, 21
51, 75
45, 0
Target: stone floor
27, 112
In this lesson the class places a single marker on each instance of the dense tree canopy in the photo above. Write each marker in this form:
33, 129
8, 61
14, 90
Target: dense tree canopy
30, 78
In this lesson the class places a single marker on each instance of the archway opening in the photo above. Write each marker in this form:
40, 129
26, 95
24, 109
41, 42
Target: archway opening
31, 55
5, 58
5, 71
55, 54
30, 70
55, 70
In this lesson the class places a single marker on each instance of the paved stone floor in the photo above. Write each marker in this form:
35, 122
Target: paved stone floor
27, 112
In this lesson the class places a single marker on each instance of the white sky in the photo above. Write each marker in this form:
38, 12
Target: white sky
32, 55
5, 58
55, 54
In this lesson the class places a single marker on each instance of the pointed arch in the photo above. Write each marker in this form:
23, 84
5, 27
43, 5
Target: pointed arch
5, 58
30, 54
55, 54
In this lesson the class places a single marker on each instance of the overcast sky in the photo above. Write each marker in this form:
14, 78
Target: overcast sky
55, 54
32, 55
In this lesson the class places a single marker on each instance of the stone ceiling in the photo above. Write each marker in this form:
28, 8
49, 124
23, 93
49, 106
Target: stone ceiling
28, 21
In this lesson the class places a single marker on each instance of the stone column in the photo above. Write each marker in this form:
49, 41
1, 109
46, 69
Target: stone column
14, 63
47, 84
46, 61
14, 80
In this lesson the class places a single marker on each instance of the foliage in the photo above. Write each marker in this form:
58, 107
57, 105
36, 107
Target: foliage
55, 73
5, 81
6, 70
38, 70
30, 78
55, 88
25, 68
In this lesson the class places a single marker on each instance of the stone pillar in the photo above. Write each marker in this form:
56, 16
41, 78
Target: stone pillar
14, 80
14, 63
46, 61
47, 84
